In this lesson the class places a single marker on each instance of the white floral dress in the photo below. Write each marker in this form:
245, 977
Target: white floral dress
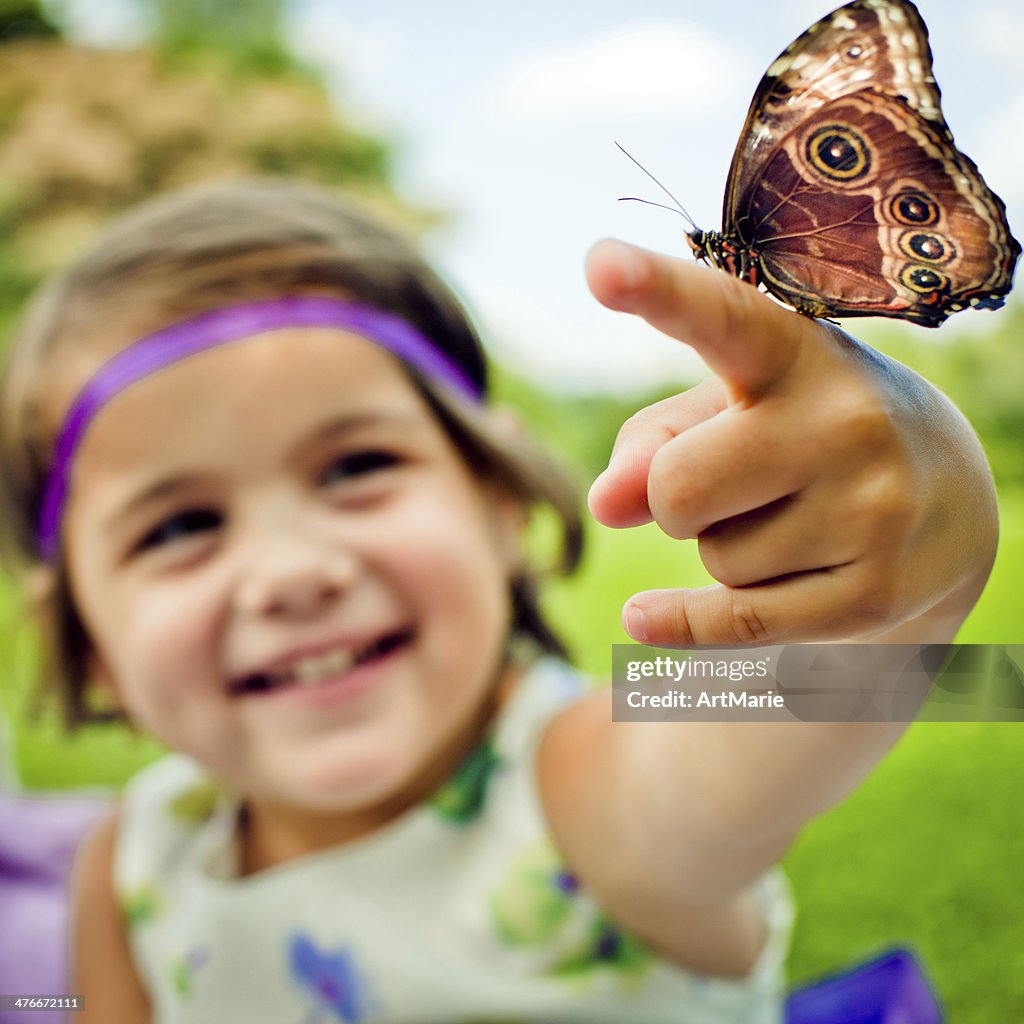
457, 911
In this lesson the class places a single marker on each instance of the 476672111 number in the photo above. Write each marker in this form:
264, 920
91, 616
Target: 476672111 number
38, 1002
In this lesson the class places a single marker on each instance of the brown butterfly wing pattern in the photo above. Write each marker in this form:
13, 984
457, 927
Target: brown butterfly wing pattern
864, 209
847, 195
883, 45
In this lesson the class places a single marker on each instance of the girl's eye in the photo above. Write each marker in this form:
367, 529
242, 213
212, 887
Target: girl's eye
181, 526
357, 464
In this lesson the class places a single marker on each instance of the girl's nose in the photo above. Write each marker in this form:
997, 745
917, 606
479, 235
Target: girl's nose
291, 576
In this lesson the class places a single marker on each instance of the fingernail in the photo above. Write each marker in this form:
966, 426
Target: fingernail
636, 623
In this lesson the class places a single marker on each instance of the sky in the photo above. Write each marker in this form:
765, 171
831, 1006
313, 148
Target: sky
508, 116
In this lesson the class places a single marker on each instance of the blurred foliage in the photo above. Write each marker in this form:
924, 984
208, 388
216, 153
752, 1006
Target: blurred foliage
580, 429
243, 38
213, 24
24, 19
87, 132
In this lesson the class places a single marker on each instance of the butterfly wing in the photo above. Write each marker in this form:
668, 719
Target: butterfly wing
866, 209
881, 42
848, 187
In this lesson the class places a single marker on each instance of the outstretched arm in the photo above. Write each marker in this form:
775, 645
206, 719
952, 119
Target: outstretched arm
834, 495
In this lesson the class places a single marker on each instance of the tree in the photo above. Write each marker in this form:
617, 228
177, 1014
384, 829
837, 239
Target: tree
214, 24
86, 132
24, 19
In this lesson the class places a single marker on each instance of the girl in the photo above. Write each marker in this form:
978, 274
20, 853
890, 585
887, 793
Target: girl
264, 508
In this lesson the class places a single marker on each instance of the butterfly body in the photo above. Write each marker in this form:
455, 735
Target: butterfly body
847, 195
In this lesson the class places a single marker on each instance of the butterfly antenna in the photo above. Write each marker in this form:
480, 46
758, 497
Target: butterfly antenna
649, 202
678, 208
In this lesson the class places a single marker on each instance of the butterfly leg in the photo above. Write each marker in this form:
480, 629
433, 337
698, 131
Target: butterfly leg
750, 267
814, 310
740, 261
736, 259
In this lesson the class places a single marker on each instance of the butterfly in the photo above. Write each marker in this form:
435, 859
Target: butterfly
847, 195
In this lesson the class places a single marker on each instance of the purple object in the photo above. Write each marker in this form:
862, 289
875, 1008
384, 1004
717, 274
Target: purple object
38, 837
218, 327
890, 989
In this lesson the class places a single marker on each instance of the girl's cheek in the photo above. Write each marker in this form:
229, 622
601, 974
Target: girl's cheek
168, 639
168, 683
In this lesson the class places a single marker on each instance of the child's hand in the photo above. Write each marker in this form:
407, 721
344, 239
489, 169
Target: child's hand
834, 493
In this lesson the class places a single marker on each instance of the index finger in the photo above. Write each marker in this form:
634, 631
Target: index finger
745, 338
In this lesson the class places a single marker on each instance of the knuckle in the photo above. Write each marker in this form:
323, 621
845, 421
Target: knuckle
631, 427
738, 310
634, 422
669, 621
653, 417
672, 495
875, 603
888, 500
645, 426
862, 422
721, 564
745, 622
680, 626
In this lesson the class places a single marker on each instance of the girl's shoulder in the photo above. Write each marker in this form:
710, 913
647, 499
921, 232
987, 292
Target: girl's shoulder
173, 792
102, 970
547, 686
169, 812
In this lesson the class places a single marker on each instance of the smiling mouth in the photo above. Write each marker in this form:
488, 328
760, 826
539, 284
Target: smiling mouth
316, 669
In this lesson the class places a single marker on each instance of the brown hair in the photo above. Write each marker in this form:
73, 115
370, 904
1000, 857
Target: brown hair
195, 250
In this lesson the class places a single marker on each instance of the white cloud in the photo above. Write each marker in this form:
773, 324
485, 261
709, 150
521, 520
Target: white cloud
1002, 154
579, 347
650, 68
998, 30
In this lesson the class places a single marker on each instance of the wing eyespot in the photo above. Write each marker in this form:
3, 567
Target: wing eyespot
923, 245
838, 153
854, 50
923, 280
916, 209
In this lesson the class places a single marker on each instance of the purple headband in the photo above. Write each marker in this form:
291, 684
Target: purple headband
218, 327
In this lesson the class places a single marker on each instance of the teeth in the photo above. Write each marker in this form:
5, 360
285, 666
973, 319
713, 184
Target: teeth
314, 669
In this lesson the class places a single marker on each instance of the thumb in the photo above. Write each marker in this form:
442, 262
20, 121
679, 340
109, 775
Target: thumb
805, 607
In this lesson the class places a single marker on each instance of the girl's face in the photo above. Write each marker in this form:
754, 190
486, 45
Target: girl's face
288, 572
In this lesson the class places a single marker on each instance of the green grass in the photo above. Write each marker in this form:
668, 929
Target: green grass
927, 853
997, 618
